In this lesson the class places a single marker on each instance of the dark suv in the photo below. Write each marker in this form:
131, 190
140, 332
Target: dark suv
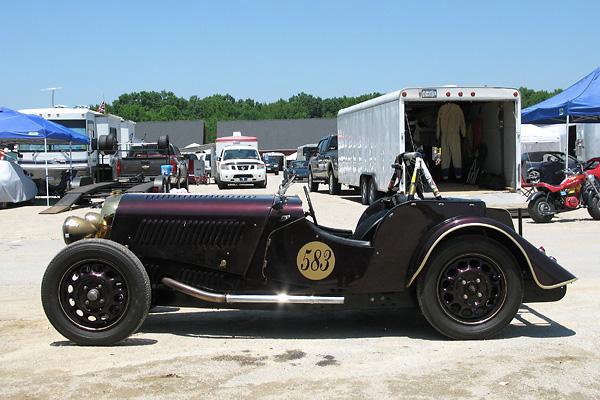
323, 167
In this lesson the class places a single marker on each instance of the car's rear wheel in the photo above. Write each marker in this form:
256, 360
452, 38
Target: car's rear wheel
312, 185
364, 190
594, 208
334, 184
96, 292
540, 210
471, 288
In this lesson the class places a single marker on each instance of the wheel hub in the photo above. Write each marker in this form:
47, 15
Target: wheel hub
471, 289
93, 295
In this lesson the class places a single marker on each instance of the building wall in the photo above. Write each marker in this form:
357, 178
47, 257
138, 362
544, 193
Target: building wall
181, 133
280, 134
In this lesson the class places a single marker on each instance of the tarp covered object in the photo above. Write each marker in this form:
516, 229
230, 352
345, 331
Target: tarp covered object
15, 186
579, 100
16, 127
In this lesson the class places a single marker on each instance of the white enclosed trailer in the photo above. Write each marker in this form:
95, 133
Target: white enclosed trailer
372, 133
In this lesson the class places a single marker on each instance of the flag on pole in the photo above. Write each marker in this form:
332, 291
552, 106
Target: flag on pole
101, 108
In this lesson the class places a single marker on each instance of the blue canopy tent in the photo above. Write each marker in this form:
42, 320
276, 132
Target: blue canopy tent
578, 103
16, 127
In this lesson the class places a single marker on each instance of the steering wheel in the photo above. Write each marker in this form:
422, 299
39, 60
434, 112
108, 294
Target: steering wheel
311, 210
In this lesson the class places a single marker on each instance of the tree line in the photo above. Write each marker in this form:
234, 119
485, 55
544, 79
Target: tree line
166, 106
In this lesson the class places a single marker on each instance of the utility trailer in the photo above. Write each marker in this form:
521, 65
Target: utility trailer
372, 133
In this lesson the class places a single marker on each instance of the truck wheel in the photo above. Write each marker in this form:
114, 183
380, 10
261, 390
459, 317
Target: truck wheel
96, 292
594, 208
221, 185
364, 190
471, 289
539, 210
312, 185
334, 184
262, 184
373, 193
277, 172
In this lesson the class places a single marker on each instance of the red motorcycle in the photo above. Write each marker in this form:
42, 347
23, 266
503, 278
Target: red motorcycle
579, 189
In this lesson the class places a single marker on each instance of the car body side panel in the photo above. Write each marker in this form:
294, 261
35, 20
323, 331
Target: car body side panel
217, 232
352, 258
402, 230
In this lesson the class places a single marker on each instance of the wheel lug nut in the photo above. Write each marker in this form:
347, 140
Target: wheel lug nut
85, 287
465, 296
100, 286
478, 280
479, 294
87, 302
101, 301
463, 282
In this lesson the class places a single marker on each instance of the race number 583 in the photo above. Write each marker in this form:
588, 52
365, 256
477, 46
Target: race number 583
315, 260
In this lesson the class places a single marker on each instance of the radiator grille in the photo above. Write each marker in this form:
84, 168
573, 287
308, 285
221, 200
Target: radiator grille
204, 233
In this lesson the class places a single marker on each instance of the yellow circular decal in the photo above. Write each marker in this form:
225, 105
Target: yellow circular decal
315, 260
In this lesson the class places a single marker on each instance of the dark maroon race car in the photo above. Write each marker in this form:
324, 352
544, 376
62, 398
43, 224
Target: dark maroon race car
462, 264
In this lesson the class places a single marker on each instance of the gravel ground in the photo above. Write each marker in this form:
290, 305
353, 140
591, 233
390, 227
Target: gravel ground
549, 351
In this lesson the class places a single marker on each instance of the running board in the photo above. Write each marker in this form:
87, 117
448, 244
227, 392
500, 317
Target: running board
249, 298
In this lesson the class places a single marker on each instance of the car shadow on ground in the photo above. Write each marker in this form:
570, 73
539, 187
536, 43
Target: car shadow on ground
246, 324
130, 342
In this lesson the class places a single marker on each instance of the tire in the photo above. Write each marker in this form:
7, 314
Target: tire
276, 172
594, 208
103, 264
479, 268
533, 175
334, 184
222, 185
262, 184
364, 190
373, 193
312, 185
538, 208
186, 183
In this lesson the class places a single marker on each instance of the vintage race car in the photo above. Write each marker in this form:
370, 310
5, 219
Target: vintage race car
461, 263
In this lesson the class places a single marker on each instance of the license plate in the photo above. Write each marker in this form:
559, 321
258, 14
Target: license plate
563, 192
428, 93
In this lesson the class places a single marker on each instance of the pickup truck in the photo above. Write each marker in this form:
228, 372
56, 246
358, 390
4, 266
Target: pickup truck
323, 167
144, 160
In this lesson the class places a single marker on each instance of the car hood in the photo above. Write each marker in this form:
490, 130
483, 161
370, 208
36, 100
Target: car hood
241, 161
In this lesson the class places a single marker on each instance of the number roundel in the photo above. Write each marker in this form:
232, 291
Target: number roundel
315, 260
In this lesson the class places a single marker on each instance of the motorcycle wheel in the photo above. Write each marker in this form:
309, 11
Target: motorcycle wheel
594, 208
539, 209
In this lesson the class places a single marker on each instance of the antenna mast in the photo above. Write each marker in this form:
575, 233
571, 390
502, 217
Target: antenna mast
51, 89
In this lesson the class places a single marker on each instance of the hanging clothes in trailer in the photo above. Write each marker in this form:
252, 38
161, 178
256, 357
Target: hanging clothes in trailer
450, 127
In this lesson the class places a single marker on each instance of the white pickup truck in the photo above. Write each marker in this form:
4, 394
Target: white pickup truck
240, 164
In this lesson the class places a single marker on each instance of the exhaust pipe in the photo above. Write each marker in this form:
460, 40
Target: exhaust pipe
249, 298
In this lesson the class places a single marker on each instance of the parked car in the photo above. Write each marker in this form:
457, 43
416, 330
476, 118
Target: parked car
240, 164
545, 166
461, 263
297, 168
274, 162
145, 160
323, 167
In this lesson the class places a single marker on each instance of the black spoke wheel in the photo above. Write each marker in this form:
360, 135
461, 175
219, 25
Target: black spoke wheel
93, 294
471, 288
96, 292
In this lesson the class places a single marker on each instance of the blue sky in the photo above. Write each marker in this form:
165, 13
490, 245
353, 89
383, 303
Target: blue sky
267, 50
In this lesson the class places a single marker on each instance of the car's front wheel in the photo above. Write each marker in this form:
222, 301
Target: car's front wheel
96, 292
471, 288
